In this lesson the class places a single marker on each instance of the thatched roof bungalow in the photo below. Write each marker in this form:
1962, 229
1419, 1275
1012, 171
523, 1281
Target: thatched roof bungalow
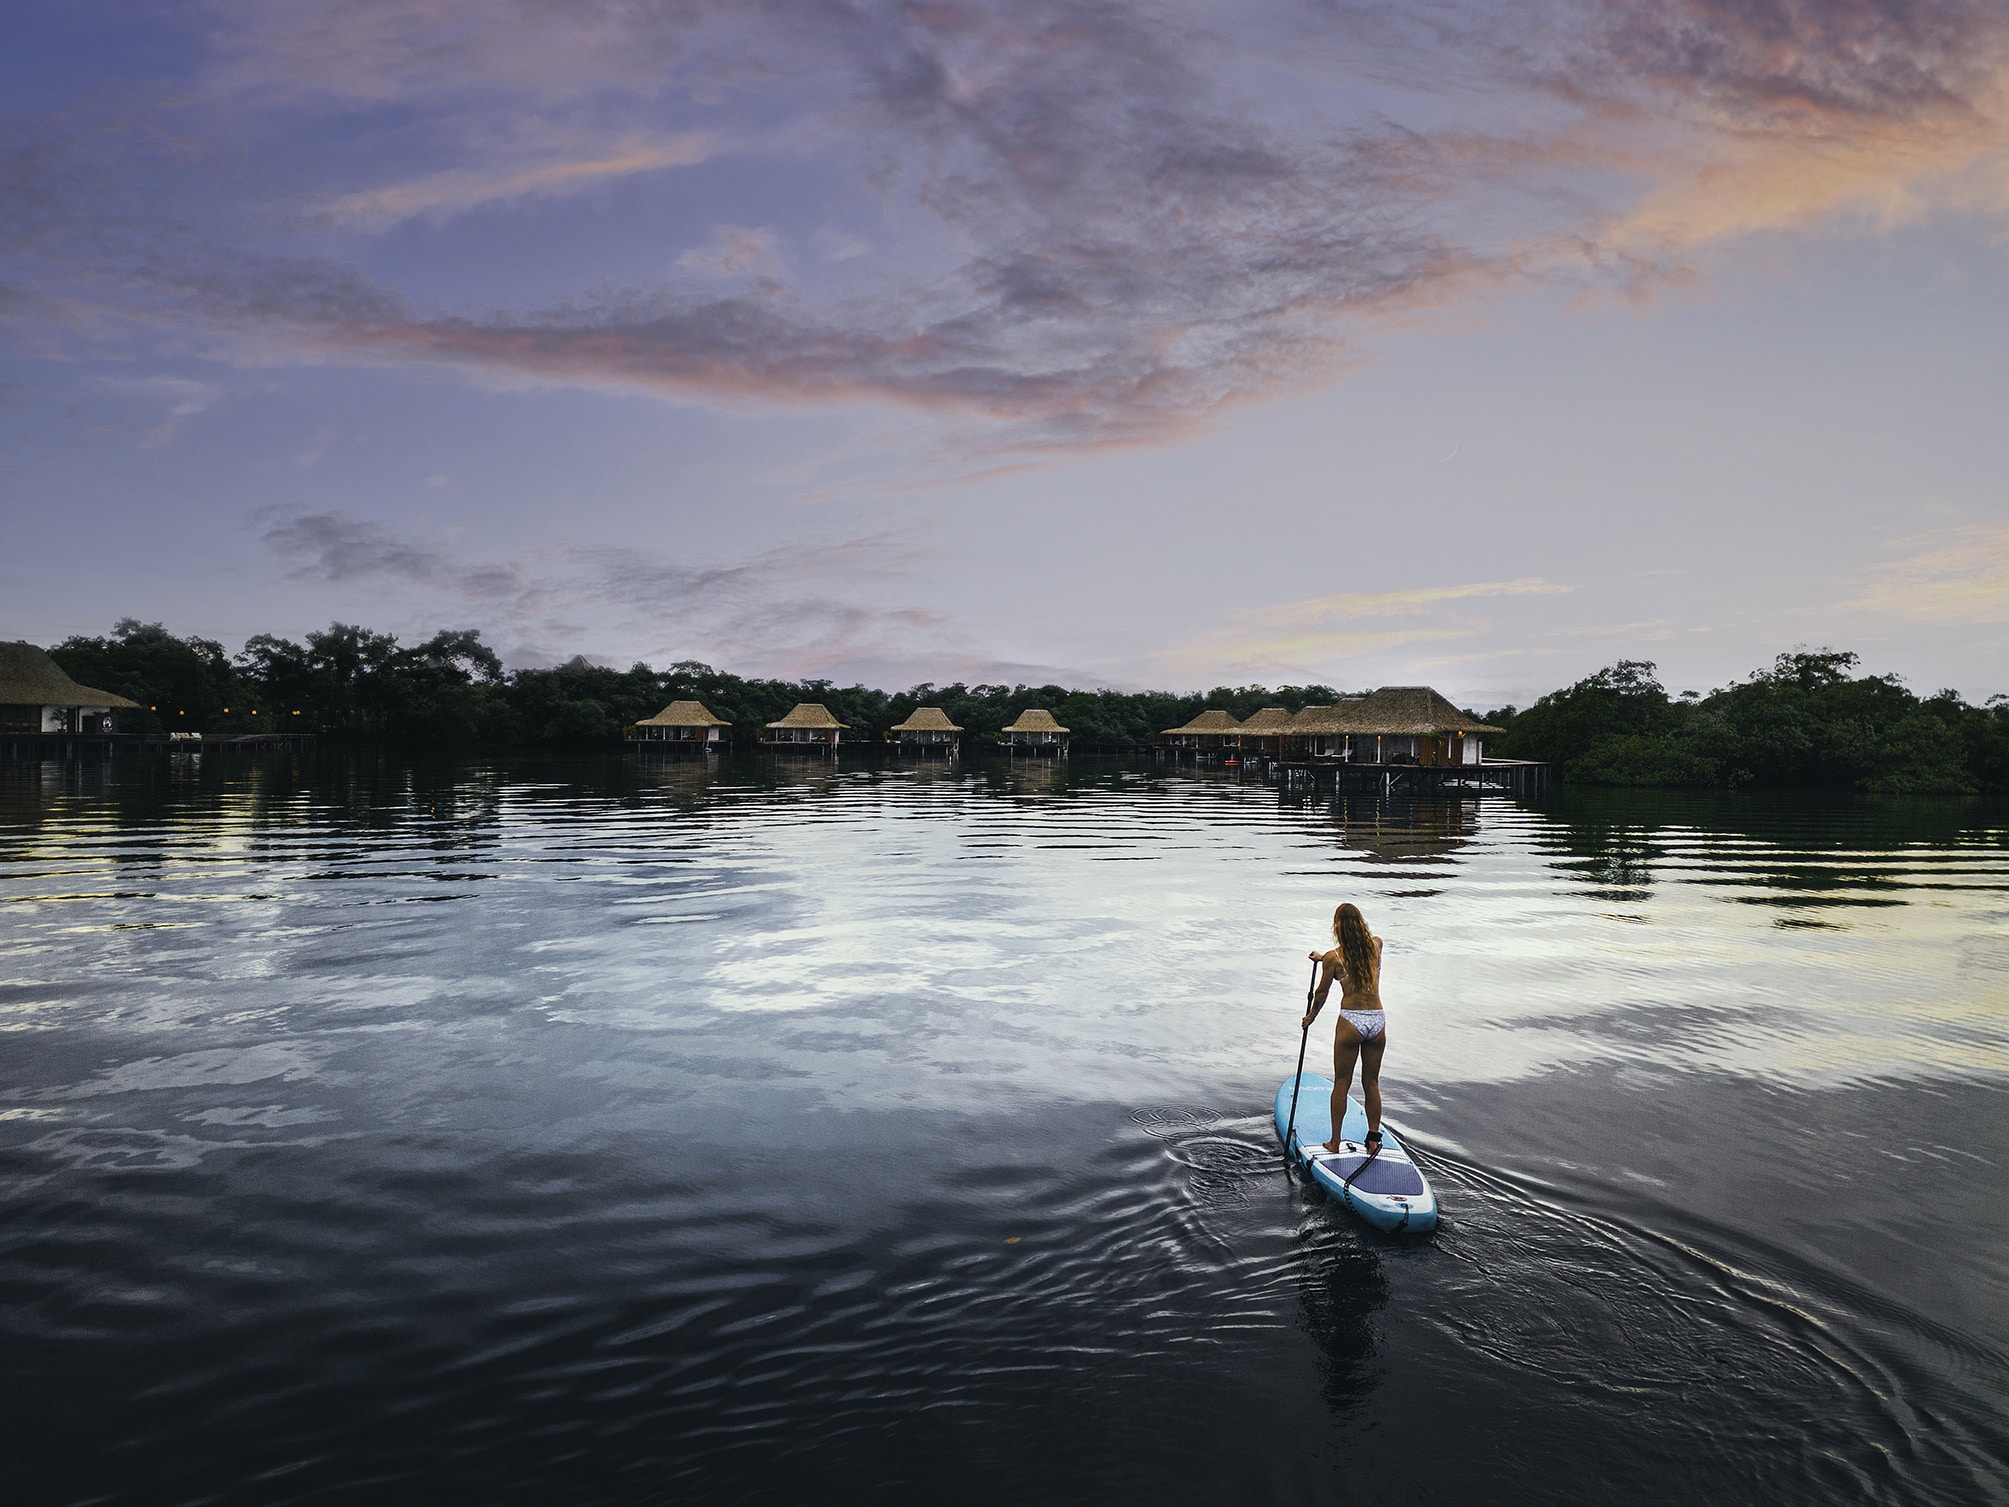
1314, 732
809, 725
928, 728
1209, 732
1035, 732
1411, 724
1262, 735
683, 723
37, 696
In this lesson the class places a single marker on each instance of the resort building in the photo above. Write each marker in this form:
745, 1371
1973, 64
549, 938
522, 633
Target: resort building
1261, 737
809, 726
1403, 740
37, 696
1315, 733
927, 730
1398, 724
1205, 738
1411, 724
683, 724
1036, 732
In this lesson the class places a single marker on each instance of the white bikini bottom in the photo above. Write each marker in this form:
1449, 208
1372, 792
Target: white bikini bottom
1369, 1023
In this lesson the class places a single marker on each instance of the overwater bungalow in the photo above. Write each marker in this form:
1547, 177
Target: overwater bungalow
1410, 724
1206, 738
681, 724
38, 696
1261, 737
926, 730
1399, 740
1313, 734
1036, 732
809, 726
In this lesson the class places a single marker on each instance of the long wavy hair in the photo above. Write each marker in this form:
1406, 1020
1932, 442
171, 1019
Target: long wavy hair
1356, 945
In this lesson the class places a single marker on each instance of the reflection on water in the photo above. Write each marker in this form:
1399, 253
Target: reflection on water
589, 1130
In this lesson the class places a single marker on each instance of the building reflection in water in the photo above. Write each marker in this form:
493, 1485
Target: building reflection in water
1402, 831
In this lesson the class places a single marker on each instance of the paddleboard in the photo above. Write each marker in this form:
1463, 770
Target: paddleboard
1389, 1192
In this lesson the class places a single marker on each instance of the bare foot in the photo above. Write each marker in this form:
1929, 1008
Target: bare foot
1332, 1145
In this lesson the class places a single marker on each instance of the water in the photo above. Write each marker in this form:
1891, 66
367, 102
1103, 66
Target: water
576, 1131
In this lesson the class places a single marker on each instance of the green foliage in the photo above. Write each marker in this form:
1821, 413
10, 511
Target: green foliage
1807, 721
180, 683
1642, 759
1985, 736
353, 680
1622, 702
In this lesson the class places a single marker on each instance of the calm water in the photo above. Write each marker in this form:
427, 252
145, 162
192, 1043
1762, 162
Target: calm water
578, 1131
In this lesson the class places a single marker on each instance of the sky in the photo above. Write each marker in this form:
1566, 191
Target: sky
1172, 345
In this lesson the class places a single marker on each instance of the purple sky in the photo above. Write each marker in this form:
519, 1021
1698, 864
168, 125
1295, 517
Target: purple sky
1472, 343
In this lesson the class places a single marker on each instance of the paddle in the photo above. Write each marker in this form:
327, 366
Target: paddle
1304, 1038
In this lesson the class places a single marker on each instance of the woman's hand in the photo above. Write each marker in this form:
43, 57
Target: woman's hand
1317, 957
1310, 1016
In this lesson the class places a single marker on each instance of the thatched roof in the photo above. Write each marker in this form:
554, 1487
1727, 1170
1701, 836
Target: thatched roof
810, 714
1213, 720
1036, 720
28, 677
1407, 710
684, 714
926, 719
1268, 722
1314, 722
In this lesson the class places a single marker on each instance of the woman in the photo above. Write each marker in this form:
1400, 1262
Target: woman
1362, 1032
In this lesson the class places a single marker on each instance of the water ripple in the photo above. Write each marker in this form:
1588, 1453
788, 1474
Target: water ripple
543, 1130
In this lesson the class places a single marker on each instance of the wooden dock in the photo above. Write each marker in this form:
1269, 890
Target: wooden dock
1488, 777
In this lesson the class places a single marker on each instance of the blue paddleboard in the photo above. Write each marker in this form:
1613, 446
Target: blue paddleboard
1389, 1192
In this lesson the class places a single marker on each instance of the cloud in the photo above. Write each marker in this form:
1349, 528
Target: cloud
1743, 117
837, 245
336, 547
315, 450
183, 396
1315, 634
1109, 220
1955, 575
804, 609
735, 251
1103, 245
456, 190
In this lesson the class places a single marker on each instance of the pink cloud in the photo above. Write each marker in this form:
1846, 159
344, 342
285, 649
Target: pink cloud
1112, 219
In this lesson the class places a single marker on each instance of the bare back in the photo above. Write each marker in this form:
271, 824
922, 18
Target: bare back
1351, 996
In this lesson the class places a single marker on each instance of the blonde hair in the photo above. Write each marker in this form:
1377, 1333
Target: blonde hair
1356, 945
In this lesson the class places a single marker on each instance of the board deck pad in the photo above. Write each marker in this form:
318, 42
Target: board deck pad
1389, 1191
1383, 1174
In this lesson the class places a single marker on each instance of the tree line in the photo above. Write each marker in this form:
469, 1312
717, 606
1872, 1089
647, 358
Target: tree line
352, 682
1809, 720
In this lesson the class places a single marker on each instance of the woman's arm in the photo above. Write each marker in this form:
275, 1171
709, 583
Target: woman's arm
1326, 974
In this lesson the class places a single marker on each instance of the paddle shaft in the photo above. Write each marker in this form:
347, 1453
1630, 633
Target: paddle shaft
1303, 1040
